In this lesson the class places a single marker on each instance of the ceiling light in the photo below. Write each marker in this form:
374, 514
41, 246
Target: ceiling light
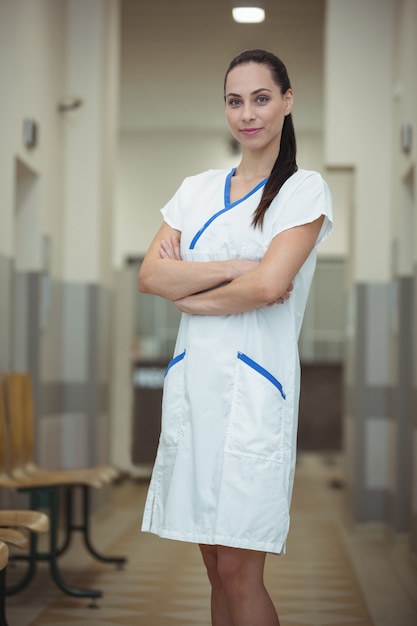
248, 15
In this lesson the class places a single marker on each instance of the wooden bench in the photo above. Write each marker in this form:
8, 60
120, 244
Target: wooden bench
12, 527
45, 487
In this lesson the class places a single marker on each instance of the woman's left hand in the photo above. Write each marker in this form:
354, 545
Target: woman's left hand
170, 250
285, 296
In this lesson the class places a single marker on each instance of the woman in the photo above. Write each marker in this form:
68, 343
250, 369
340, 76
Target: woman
236, 254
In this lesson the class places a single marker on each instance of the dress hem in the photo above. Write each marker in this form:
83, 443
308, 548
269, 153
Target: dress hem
219, 540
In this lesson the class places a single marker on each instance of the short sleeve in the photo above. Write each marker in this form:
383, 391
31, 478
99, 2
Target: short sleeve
305, 197
172, 212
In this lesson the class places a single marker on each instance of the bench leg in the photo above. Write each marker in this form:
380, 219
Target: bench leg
55, 573
83, 527
117, 560
47, 498
3, 620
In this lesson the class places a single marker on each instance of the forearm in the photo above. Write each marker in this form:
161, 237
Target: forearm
268, 283
243, 294
173, 279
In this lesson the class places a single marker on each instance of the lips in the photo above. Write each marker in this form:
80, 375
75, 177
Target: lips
250, 131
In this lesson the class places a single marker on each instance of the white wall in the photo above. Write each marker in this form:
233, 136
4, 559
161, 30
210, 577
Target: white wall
51, 51
404, 222
174, 56
358, 121
32, 76
90, 139
151, 167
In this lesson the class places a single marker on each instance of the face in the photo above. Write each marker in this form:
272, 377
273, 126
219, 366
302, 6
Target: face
255, 107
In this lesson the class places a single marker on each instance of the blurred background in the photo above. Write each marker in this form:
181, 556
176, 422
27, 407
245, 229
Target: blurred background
106, 105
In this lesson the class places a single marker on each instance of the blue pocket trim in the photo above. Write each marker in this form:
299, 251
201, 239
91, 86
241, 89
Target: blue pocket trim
174, 361
261, 370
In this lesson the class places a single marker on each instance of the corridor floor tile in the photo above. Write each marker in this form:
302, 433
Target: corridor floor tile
164, 582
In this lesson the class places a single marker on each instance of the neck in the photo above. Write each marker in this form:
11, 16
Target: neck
253, 167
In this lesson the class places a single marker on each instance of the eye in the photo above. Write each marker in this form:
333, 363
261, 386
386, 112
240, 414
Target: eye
262, 99
233, 102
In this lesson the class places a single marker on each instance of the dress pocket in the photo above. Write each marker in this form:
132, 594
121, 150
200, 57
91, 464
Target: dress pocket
256, 424
173, 402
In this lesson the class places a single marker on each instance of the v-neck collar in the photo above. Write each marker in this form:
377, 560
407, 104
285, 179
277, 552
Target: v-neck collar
227, 185
227, 206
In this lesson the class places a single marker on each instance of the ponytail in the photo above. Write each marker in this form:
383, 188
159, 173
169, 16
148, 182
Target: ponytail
285, 164
284, 167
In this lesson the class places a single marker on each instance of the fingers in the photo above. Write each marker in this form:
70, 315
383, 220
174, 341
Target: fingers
170, 250
176, 247
287, 294
165, 251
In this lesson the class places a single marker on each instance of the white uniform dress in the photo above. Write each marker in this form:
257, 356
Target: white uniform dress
226, 457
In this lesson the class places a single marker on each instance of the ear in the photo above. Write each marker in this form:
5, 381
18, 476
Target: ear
288, 101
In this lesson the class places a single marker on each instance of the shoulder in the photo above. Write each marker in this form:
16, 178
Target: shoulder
203, 182
304, 197
304, 181
305, 188
204, 178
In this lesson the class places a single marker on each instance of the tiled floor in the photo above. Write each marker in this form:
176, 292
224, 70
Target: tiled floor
332, 575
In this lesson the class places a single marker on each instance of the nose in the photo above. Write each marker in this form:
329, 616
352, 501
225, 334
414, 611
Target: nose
248, 112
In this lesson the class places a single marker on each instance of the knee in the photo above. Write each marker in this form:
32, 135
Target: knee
210, 559
236, 572
232, 574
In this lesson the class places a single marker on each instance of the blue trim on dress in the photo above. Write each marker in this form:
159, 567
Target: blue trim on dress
227, 205
227, 186
174, 361
261, 370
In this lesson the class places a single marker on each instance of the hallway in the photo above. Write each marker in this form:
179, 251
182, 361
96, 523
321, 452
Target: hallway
332, 574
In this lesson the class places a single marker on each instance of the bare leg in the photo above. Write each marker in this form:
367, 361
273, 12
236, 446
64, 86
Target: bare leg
239, 596
220, 613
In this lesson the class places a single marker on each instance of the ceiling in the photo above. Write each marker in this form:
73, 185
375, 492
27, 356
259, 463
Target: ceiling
174, 54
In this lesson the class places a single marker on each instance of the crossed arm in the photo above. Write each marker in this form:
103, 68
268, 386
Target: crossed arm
230, 286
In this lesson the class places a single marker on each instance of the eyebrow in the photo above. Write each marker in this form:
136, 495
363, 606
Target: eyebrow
253, 93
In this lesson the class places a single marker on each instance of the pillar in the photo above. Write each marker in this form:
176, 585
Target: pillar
358, 121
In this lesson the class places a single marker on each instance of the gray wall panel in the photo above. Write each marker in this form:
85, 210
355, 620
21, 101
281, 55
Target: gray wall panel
413, 539
52, 333
93, 355
413, 533
401, 512
33, 334
6, 318
377, 333
76, 339
20, 316
369, 399
58, 397
51, 399
67, 353
104, 335
358, 403
374, 506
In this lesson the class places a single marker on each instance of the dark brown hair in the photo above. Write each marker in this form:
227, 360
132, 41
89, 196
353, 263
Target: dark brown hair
285, 164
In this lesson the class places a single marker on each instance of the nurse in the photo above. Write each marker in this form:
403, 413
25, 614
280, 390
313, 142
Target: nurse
236, 253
